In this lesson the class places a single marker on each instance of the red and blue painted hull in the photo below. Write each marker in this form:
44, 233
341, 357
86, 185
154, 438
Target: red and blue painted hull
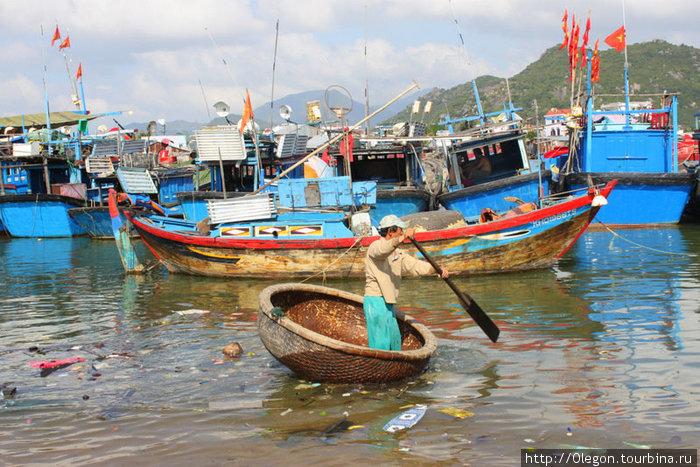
531, 240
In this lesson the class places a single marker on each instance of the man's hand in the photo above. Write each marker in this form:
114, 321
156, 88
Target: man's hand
409, 232
445, 273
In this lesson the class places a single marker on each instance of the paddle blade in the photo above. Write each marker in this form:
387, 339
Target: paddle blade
479, 316
469, 305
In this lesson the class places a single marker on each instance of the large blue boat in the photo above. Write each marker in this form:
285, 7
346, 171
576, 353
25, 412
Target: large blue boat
40, 175
499, 139
635, 143
640, 151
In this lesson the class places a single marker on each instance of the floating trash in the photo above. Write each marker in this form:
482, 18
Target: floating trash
49, 366
458, 413
233, 350
406, 419
191, 312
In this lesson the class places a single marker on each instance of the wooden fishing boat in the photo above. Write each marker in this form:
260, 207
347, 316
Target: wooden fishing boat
498, 141
39, 215
639, 149
323, 244
320, 333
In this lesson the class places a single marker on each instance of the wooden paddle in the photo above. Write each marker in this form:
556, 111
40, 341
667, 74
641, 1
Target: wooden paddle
471, 307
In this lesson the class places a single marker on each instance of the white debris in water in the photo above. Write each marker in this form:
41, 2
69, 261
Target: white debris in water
192, 311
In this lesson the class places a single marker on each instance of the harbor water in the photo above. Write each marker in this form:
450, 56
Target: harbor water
602, 350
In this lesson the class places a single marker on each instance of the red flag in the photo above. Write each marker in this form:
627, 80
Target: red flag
616, 40
566, 31
247, 112
79, 74
585, 42
56, 36
595, 64
573, 48
346, 144
588, 28
65, 43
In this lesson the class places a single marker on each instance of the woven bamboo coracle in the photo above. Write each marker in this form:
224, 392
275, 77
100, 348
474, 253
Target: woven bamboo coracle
323, 337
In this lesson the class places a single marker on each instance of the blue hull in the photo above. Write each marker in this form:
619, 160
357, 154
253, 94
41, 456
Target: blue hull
641, 198
39, 215
471, 200
94, 220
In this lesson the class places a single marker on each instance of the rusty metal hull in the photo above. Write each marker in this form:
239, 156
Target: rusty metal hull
528, 241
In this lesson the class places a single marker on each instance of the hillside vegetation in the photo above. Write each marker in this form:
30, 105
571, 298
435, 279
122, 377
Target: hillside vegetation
654, 68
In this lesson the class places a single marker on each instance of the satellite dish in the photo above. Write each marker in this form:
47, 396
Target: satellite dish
222, 109
161, 121
102, 128
285, 111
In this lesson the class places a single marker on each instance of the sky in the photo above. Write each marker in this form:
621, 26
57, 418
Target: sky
173, 59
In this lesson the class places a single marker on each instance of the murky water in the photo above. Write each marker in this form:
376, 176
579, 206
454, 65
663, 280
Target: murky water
601, 351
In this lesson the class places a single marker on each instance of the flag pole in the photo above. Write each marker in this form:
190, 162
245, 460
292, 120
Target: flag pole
82, 95
46, 103
274, 66
627, 81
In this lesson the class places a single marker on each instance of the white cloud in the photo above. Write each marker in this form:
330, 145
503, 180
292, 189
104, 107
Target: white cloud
151, 56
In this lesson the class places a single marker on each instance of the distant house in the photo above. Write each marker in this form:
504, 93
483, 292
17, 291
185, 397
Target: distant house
555, 122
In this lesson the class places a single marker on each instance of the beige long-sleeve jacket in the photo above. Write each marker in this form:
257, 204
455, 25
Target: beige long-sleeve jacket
385, 264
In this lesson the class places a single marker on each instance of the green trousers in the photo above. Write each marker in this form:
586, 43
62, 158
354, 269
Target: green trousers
382, 328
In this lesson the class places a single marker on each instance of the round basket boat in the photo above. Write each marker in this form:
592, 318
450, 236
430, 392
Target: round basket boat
323, 336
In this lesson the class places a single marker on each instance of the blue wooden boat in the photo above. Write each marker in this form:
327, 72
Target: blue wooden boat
640, 152
38, 207
94, 220
394, 169
638, 146
395, 165
498, 137
39, 215
42, 167
332, 245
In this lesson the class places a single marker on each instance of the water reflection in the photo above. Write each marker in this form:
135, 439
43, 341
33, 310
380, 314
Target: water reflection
626, 278
605, 344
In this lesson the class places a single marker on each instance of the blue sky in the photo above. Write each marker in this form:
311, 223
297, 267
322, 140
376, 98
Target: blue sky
149, 57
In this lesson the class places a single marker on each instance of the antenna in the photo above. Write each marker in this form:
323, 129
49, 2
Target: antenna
461, 39
204, 96
228, 70
274, 65
366, 73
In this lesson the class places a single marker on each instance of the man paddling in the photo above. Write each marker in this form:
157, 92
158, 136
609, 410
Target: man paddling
384, 266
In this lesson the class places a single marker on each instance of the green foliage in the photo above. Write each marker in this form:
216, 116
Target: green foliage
655, 67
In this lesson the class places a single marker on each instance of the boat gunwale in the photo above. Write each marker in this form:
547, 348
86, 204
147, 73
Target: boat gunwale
347, 242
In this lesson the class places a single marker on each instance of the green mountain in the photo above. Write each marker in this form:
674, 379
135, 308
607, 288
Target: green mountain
654, 68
